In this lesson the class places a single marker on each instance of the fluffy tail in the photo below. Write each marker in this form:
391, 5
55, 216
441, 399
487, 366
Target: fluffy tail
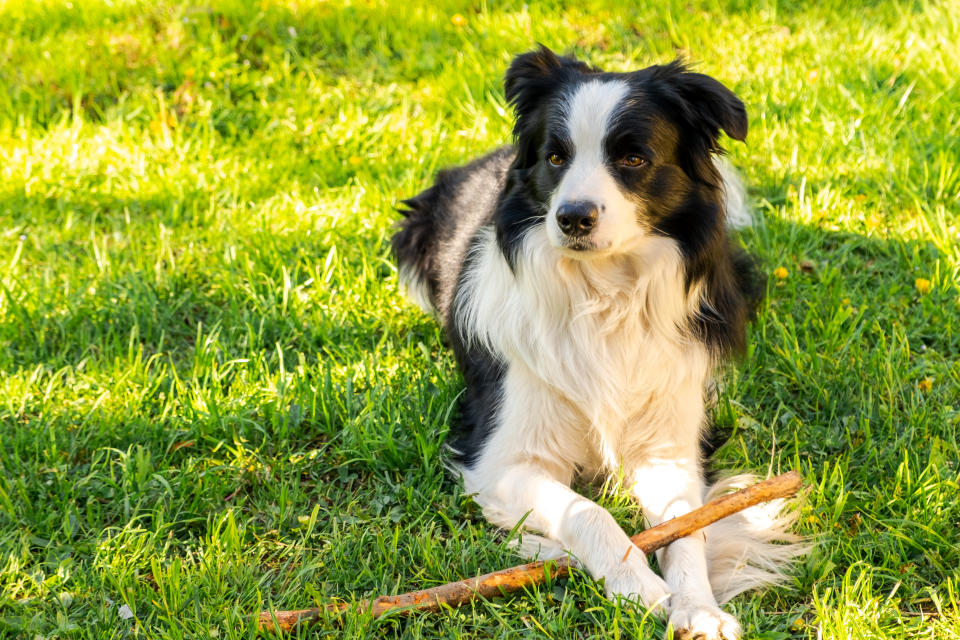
748, 550
739, 215
413, 248
753, 548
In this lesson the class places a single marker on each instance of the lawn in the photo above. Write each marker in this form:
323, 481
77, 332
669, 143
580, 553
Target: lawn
213, 399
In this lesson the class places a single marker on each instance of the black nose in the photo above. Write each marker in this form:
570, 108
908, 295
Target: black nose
577, 218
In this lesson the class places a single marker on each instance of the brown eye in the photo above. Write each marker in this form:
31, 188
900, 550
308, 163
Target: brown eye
633, 161
555, 159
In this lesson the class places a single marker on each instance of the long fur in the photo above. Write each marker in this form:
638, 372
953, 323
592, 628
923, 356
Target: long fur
588, 348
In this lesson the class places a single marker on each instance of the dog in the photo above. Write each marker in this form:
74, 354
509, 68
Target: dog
588, 283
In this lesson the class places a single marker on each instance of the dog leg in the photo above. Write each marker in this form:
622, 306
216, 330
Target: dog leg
666, 488
527, 491
524, 472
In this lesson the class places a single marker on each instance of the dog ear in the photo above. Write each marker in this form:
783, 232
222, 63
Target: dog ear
712, 104
701, 107
535, 75
532, 78
527, 81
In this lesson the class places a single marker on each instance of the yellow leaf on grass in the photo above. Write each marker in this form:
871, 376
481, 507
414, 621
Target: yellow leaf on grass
162, 121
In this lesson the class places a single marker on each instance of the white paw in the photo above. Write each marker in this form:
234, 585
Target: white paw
636, 581
702, 622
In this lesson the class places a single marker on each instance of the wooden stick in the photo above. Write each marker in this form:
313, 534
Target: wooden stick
507, 581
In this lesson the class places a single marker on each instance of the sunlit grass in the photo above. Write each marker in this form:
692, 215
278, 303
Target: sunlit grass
213, 399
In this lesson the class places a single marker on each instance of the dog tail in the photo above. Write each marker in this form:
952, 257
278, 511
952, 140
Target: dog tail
738, 212
433, 238
752, 548
413, 247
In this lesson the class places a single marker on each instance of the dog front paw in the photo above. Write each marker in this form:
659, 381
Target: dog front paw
636, 581
702, 622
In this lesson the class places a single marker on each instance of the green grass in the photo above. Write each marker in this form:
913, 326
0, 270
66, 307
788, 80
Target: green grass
213, 399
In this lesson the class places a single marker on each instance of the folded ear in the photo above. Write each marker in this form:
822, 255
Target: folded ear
532, 79
713, 104
528, 79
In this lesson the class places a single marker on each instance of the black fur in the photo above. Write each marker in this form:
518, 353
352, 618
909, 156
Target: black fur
439, 223
673, 117
532, 80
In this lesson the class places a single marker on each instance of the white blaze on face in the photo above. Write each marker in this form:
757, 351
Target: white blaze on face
588, 115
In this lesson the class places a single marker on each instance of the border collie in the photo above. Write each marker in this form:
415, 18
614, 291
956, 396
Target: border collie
588, 285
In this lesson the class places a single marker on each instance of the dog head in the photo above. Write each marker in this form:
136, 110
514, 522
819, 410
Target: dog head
607, 159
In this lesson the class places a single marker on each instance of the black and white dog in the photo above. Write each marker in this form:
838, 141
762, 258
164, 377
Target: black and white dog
587, 283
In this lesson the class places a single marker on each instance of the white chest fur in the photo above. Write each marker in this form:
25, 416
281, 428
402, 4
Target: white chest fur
605, 335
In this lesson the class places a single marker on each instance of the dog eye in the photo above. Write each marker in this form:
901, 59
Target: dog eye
555, 159
633, 161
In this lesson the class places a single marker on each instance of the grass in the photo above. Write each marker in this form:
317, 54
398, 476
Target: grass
213, 399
